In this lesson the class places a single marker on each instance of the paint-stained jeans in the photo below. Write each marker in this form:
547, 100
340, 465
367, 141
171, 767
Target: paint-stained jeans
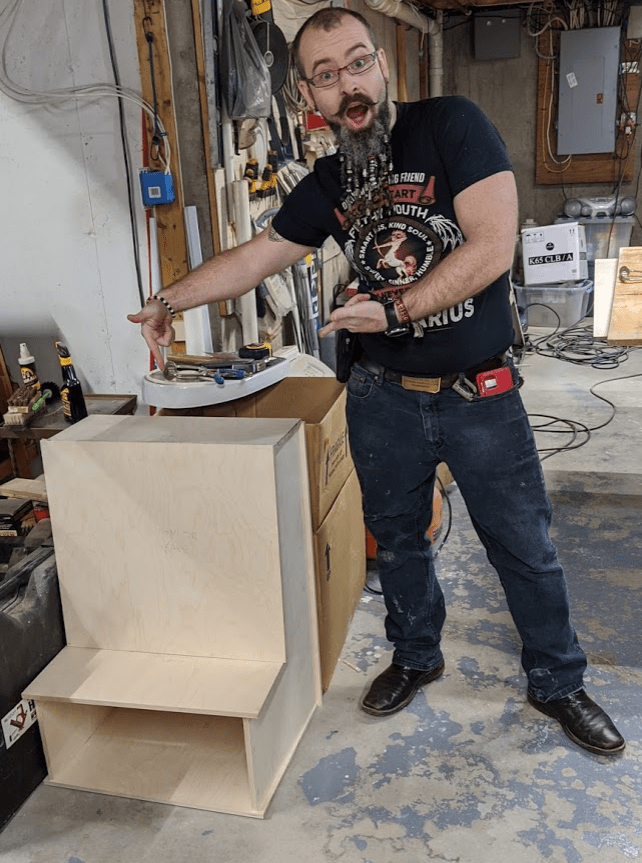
397, 438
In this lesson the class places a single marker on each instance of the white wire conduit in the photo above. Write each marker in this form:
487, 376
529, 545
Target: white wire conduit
243, 223
428, 26
399, 10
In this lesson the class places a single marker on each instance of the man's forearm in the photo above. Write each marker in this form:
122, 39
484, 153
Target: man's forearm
220, 278
232, 273
461, 275
487, 216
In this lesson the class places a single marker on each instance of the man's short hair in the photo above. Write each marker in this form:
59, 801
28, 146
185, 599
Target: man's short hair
327, 19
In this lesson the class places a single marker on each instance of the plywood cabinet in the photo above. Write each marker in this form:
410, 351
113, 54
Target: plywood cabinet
184, 553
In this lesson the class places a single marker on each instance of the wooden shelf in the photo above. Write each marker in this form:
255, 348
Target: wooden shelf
156, 681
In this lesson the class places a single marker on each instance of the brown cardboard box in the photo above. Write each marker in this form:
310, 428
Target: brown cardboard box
320, 403
340, 565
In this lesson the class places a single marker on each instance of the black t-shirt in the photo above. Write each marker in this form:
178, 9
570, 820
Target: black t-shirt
440, 147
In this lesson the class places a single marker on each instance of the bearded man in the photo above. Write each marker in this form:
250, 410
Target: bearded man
432, 379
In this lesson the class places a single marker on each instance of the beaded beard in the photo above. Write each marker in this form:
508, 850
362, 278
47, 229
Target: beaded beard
366, 167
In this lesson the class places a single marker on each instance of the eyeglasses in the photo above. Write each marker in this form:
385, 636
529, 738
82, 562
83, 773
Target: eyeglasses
331, 76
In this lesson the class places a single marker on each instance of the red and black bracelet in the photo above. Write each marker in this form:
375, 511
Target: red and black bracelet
402, 311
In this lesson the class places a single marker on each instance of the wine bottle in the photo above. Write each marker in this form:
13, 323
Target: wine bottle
73, 401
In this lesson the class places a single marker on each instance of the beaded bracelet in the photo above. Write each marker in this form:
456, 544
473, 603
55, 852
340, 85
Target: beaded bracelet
164, 302
402, 311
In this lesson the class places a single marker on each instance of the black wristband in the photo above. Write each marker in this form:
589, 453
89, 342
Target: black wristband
391, 314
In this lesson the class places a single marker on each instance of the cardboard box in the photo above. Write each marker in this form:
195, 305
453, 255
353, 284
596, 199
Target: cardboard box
554, 253
340, 565
320, 403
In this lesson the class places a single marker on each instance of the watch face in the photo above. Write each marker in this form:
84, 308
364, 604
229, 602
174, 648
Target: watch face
399, 330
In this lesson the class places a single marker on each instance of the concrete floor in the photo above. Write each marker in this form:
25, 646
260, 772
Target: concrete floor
469, 772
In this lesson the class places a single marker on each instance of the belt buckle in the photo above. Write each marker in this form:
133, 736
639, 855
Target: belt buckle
421, 385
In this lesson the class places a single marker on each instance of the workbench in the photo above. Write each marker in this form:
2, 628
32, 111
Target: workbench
52, 421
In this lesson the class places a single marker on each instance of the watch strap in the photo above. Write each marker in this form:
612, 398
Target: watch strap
391, 314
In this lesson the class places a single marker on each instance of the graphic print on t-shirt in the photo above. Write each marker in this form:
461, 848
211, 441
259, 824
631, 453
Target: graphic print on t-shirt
393, 253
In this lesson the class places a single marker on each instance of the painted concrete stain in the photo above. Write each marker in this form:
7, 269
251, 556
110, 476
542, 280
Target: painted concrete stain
440, 783
330, 778
476, 678
511, 715
618, 840
546, 841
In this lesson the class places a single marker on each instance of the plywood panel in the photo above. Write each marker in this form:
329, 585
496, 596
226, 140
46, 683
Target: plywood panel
272, 738
193, 761
152, 681
25, 489
625, 327
603, 289
169, 543
65, 729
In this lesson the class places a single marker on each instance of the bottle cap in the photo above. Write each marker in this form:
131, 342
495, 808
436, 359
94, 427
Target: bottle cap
25, 356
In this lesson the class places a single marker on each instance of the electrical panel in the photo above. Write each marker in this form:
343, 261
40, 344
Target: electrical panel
589, 64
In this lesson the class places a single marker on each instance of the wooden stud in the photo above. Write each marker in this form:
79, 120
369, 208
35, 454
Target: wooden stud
200, 65
149, 16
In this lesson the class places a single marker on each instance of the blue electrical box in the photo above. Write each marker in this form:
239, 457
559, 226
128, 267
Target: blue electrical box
157, 187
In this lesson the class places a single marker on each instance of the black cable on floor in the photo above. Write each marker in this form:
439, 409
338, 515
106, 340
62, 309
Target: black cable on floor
576, 344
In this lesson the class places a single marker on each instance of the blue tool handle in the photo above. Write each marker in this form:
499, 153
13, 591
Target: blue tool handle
230, 374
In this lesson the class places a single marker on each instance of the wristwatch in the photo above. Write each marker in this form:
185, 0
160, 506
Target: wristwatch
395, 327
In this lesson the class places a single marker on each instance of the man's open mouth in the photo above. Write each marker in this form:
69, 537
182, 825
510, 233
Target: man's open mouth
357, 113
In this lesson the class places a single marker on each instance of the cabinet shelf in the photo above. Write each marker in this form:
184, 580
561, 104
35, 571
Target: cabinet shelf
157, 681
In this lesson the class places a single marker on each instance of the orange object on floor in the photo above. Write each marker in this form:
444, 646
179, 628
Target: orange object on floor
435, 524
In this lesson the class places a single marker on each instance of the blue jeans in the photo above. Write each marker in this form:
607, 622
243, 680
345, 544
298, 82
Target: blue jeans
397, 439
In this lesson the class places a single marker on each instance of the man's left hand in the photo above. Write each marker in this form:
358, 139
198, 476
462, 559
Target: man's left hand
359, 315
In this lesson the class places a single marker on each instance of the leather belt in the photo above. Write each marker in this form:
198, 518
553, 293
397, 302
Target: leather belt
429, 385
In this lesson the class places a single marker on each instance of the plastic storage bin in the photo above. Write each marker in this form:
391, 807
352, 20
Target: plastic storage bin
605, 236
568, 300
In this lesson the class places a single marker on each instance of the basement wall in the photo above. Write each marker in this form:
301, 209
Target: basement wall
66, 241
507, 91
